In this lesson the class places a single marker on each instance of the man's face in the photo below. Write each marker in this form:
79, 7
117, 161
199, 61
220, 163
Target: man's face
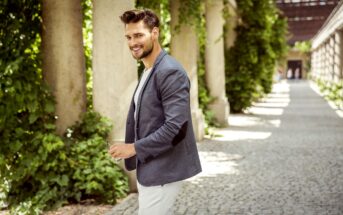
140, 39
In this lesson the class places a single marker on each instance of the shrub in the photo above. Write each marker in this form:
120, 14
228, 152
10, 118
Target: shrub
332, 91
38, 169
93, 173
250, 63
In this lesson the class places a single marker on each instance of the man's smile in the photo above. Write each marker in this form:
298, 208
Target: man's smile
136, 49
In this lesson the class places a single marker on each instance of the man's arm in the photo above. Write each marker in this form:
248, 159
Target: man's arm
174, 89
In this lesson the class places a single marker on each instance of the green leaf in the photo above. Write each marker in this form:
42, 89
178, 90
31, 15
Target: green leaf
49, 107
50, 126
33, 117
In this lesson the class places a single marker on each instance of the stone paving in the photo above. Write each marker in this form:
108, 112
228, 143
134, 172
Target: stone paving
284, 156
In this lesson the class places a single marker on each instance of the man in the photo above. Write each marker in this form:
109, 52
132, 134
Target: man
159, 140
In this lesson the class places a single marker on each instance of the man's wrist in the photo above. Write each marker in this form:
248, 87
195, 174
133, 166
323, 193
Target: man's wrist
133, 148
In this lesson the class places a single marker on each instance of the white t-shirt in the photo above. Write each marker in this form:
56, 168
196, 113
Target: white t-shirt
140, 85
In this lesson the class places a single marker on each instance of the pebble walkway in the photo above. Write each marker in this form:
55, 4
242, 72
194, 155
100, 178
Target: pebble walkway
283, 156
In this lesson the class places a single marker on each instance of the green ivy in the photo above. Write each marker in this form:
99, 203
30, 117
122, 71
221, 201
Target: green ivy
38, 169
191, 12
305, 48
87, 31
260, 43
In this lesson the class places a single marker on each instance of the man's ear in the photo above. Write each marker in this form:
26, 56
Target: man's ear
155, 32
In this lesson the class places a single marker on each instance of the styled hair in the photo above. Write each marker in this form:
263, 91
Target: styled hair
149, 18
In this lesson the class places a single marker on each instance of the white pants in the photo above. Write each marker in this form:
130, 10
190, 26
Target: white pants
157, 200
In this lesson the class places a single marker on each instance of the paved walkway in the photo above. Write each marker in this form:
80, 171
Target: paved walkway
285, 156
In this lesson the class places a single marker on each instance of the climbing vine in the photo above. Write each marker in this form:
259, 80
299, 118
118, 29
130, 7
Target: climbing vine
39, 169
87, 30
260, 43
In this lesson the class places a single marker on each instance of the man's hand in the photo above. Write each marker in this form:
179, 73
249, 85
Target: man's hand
121, 150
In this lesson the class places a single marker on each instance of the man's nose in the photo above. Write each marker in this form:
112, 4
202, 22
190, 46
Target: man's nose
132, 42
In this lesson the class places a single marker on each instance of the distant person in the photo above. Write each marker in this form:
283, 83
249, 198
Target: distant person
289, 74
159, 140
297, 73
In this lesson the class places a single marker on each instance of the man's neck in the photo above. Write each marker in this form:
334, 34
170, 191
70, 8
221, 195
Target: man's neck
150, 60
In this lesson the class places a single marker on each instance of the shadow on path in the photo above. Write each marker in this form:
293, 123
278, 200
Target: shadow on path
283, 156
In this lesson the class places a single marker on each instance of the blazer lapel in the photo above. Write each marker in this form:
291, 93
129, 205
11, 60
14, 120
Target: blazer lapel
157, 61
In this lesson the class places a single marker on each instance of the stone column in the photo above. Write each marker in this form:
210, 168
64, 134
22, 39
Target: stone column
63, 59
338, 56
314, 60
331, 57
339, 60
114, 69
230, 25
215, 62
319, 58
323, 57
319, 63
340, 39
327, 65
184, 48
341, 52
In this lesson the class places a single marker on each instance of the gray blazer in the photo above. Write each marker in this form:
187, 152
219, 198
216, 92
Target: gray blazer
163, 135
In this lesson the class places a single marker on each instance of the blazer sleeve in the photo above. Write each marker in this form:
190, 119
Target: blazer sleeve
174, 88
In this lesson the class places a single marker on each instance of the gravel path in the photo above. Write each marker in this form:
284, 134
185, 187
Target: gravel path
284, 156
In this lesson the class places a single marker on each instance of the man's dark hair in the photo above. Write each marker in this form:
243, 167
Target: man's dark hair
149, 18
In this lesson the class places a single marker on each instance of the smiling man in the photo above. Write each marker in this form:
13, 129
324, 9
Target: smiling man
159, 139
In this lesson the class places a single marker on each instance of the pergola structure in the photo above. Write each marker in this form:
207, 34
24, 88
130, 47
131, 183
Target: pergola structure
305, 17
115, 70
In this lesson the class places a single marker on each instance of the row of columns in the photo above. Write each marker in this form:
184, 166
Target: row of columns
327, 59
327, 49
115, 70
184, 48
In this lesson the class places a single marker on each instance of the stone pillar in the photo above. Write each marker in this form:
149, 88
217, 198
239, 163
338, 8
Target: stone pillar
322, 61
186, 39
341, 52
338, 55
230, 25
314, 61
315, 55
331, 58
339, 60
215, 62
63, 59
340, 39
114, 69
327, 61
319, 59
